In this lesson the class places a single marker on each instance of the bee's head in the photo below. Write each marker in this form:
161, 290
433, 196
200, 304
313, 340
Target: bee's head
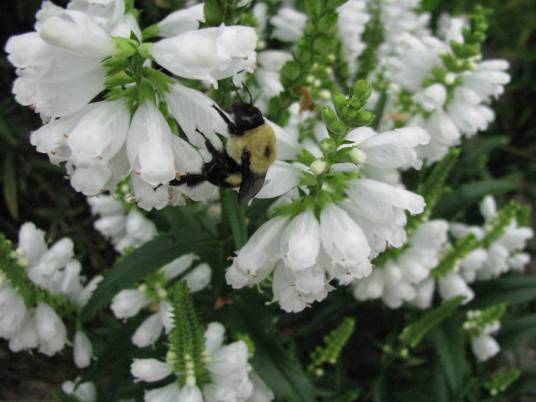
246, 116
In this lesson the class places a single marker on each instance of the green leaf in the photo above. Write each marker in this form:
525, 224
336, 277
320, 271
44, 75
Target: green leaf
511, 290
10, 186
415, 332
514, 333
234, 215
471, 193
277, 367
132, 268
449, 343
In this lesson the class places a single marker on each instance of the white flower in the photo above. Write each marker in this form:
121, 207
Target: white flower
484, 347
300, 242
85, 391
12, 311
25, 337
208, 54
345, 244
199, 277
50, 329
391, 149
424, 294
193, 110
106, 13
267, 75
99, 135
453, 285
181, 21
467, 112
32, 243
76, 32
258, 257
288, 24
351, 23
230, 377
167, 393
149, 331
128, 302
150, 370
82, 349
415, 60
488, 78
379, 209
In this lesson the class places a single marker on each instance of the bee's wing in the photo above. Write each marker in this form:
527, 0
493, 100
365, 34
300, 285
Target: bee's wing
251, 184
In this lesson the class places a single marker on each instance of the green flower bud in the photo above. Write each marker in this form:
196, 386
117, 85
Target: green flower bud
290, 71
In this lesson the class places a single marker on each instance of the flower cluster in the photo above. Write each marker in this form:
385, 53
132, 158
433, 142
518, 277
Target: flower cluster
345, 217
411, 276
125, 230
442, 85
152, 294
480, 325
110, 111
202, 366
39, 285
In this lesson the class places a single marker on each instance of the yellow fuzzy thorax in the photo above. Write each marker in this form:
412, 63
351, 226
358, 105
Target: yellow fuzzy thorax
260, 142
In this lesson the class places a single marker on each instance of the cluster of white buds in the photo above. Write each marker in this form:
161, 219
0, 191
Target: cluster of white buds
36, 283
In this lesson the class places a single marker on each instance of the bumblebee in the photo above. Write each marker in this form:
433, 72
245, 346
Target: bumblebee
249, 151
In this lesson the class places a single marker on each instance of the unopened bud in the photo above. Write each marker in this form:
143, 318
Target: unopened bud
450, 78
318, 167
325, 94
358, 156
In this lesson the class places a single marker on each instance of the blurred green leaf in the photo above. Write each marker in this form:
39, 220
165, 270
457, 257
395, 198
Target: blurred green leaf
511, 290
10, 186
130, 269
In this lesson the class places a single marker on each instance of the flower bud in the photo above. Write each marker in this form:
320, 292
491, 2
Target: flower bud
319, 166
358, 156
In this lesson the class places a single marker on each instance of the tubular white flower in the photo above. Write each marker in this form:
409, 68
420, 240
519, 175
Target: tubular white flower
105, 13
379, 209
150, 370
345, 243
351, 23
12, 311
149, 145
101, 132
82, 350
31, 243
267, 74
181, 21
53, 81
190, 393
214, 336
44, 271
261, 393
128, 302
257, 258
452, 285
149, 331
76, 32
167, 393
488, 79
392, 149
485, 347
147, 197
50, 329
208, 54
288, 24
300, 241
193, 110
25, 337
280, 178
468, 113
424, 294
198, 278
85, 391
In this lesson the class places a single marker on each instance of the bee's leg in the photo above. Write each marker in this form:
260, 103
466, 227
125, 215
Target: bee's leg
232, 127
190, 179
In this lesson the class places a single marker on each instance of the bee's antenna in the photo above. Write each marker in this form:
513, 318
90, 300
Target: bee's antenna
236, 91
249, 93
